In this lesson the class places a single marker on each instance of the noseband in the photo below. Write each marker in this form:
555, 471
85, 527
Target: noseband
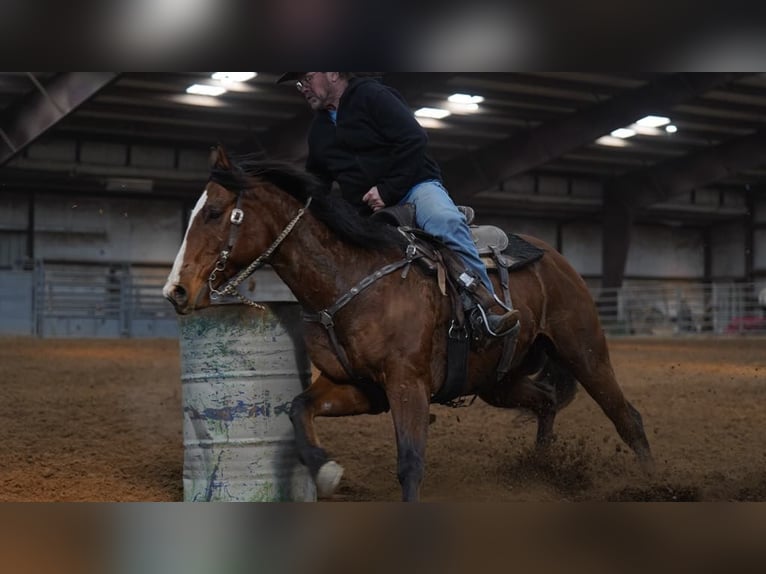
230, 288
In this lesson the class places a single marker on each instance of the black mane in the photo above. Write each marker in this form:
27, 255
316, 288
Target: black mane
334, 212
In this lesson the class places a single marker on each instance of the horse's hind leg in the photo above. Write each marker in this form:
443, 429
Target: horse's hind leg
594, 372
556, 382
534, 396
324, 398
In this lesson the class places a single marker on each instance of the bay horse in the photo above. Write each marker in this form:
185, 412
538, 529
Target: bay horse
393, 332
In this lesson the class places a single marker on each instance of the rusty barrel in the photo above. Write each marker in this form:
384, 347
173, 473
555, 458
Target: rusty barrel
240, 370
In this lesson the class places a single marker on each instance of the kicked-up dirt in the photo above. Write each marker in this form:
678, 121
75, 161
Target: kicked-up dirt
101, 420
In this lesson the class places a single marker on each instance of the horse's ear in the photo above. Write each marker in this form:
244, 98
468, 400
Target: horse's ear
219, 159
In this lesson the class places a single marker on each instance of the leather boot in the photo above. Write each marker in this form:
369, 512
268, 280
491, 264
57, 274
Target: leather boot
499, 320
501, 324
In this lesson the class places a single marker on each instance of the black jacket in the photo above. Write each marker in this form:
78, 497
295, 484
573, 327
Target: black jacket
377, 141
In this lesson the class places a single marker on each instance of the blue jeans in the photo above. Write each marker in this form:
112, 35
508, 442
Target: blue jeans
435, 213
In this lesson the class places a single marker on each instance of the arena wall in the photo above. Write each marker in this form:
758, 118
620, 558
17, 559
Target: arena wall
108, 229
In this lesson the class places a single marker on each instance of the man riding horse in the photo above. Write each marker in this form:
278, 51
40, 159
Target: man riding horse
367, 140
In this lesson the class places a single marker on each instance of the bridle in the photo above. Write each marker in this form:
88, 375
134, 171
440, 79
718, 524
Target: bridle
230, 288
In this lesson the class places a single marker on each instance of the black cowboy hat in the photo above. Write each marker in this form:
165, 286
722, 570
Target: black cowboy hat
290, 77
295, 76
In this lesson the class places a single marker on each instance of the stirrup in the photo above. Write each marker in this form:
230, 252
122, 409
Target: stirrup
513, 330
501, 303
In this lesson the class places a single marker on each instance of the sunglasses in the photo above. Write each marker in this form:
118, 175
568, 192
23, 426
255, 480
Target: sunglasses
305, 82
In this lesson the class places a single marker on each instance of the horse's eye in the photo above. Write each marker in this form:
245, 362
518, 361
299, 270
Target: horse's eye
213, 213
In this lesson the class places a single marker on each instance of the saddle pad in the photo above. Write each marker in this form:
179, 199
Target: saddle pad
521, 252
518, 254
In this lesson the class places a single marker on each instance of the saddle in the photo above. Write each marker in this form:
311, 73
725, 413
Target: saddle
496, 248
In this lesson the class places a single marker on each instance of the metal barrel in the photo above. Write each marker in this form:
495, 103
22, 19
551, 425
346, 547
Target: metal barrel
240, 370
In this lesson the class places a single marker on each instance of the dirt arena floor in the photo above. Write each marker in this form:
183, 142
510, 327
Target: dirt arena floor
101, 421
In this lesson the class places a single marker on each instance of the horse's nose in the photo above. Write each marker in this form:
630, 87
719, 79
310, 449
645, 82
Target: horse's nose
177, 296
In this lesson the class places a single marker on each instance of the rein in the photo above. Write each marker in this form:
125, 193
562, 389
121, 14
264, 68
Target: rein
230, 288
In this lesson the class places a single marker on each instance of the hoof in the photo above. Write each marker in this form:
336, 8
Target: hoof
328, 479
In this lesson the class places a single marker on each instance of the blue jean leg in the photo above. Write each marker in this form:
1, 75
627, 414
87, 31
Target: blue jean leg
437, 214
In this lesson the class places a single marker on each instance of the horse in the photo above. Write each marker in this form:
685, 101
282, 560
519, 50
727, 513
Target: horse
389, 351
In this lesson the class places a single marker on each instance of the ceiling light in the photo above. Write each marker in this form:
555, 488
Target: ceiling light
463, 108
435, 113
623, 133
234, 76
671, 129
195, 100
431, 124
644, 131
612, 141
205, 90
465, 99
653, 121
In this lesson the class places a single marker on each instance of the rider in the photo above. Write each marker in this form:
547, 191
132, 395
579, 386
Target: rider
366, 138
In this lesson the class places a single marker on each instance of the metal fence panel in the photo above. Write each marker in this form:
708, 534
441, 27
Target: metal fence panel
681, 309
102, 301
120, 300
16, 303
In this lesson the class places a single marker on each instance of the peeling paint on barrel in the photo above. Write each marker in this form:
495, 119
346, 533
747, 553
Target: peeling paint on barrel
240, 370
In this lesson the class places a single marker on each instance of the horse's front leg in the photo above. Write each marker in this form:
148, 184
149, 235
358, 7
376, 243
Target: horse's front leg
409, 401
324, 398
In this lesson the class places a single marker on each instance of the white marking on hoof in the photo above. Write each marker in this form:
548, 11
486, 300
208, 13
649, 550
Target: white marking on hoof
328, 478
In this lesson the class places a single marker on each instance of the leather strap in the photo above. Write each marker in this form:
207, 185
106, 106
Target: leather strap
458, 347
326, 316
509, 342
457, 369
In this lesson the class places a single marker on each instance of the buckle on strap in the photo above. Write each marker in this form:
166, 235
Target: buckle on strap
326, 319
237, 216
457, 332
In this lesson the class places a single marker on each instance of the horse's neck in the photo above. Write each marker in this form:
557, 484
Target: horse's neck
318, 267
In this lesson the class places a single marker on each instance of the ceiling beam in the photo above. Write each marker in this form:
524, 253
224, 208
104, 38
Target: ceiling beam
93, 184
486, 167
676, 176
46, 105
412, 86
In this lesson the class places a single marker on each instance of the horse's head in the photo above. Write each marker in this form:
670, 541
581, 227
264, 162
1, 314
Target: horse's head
218, 242
249, 207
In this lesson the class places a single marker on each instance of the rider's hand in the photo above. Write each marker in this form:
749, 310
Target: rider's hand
372, 199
